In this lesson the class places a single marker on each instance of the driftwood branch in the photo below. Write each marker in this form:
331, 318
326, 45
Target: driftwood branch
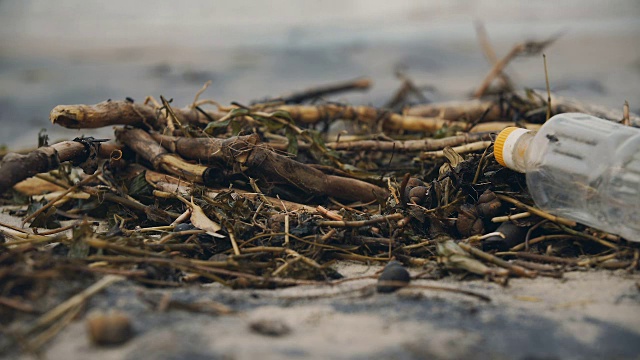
16, 167
248, 157
398, 146
168, 183
473, 109
109, 113
391, 121
324, 90
144, 145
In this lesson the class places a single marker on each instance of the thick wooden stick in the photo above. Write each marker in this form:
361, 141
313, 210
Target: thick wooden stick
207, 149
109, 113
312, 114
144, 145
398, 146
16, 167
473, 109
252, 159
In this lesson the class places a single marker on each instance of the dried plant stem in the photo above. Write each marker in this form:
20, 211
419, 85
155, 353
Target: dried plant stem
328, 213
539, 257
476, 146
540, 239
497, 68
64, 193
73, 302
398, 146
319, 91
360, 223
514, 269
537, 211
522, 215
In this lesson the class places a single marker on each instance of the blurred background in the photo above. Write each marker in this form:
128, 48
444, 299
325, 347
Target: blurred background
74, 51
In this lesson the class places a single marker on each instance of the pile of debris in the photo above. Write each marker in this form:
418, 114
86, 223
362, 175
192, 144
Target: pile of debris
272, 194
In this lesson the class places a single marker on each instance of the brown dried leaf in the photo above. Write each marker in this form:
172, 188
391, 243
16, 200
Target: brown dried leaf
200, 220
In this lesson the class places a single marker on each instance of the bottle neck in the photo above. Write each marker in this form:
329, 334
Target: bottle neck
515, 149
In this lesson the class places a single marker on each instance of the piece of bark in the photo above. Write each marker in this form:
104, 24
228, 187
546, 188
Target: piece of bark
16, 167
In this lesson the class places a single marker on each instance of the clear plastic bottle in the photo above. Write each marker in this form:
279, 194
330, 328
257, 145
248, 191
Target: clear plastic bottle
580, 167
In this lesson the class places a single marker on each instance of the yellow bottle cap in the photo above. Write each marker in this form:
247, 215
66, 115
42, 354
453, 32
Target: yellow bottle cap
498, 146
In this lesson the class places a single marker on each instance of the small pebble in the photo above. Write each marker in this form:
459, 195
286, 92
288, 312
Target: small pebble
393, 272
273, 328
183, 227
112, 328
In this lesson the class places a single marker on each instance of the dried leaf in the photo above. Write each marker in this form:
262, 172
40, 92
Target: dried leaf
200, 220
453, 157
46, 219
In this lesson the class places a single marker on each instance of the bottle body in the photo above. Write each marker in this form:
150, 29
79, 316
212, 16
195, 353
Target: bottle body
588, 170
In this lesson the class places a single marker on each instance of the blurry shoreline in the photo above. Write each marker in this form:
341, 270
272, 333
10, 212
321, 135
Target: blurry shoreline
72, 52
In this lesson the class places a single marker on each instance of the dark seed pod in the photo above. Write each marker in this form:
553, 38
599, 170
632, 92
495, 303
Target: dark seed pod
488, 204
513, 235
393, 277
468, 222
413, 182
112, 328
418, 194
270, 327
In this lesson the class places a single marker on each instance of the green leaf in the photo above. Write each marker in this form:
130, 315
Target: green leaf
139, 186
292, 148
216, 125
226, 120
282, 115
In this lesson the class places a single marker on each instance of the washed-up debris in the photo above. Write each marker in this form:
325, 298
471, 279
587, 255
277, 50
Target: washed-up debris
255, 196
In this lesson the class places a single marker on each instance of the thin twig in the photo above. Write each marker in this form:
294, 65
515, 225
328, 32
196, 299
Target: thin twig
360, 223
